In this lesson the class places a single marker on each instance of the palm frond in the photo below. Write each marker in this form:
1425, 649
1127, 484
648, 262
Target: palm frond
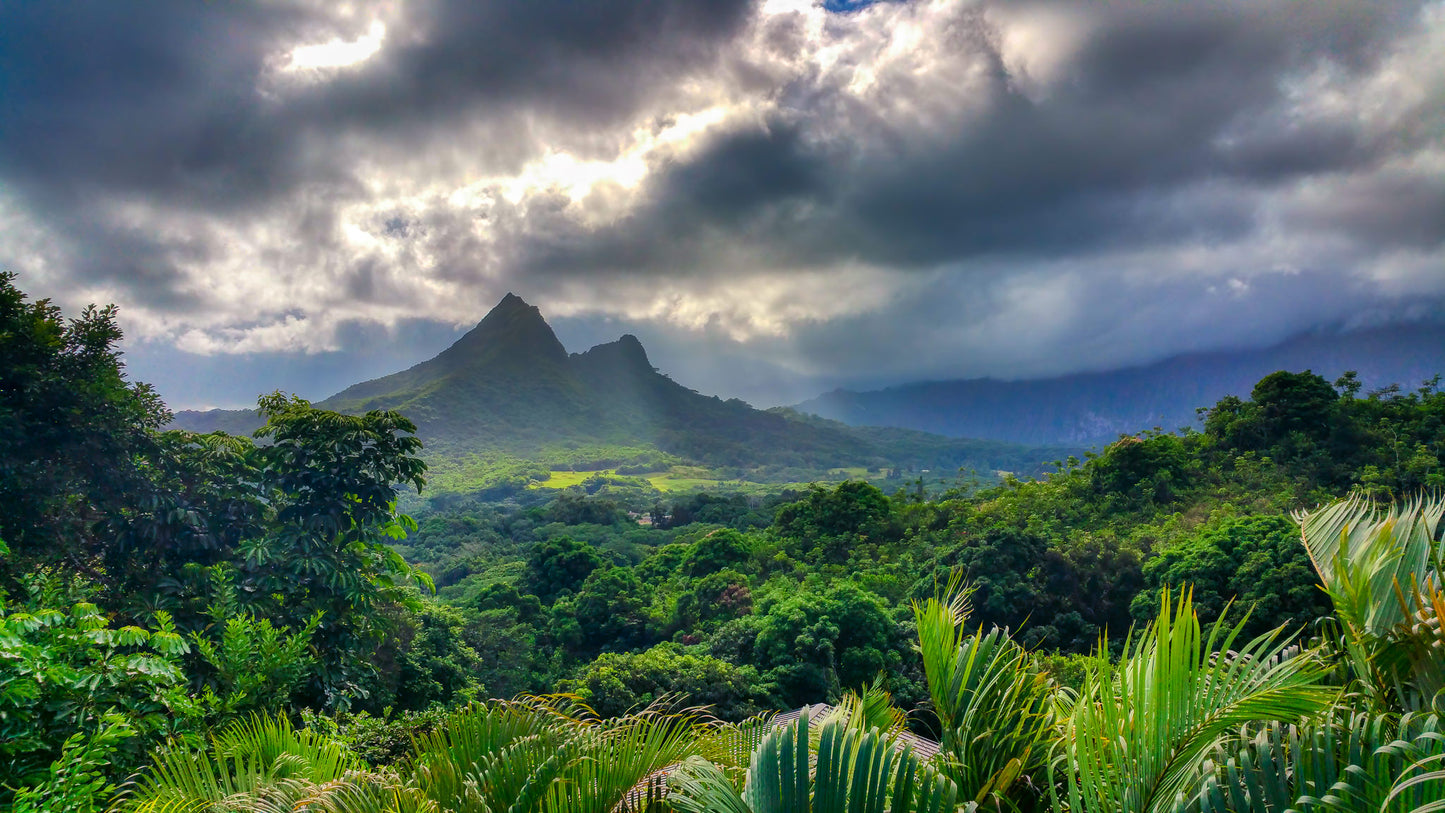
854, 772
487, 754
730, 746
1140, 733
994, 707
1345, 762
617, 756
262, 757
1382, 571
871, 708
1362, 552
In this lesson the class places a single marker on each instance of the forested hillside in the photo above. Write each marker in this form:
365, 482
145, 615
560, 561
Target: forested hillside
239, 624
506, 404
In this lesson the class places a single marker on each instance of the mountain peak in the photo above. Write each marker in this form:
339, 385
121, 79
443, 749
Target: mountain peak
512, 330
631, 347
624, 354
511, 302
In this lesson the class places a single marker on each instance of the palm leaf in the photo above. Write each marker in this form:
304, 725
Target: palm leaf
1381, 569
872, 708
617, 756
254, 760
487, 755
995, 709
1140, 734
854, 772
1342, 763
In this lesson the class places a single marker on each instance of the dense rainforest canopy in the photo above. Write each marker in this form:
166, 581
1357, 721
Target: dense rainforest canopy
178, 611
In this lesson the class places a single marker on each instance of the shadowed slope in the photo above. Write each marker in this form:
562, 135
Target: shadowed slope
508, 386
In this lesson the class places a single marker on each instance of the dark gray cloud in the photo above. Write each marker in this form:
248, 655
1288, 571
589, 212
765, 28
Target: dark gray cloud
168, 103
590, 63
1156, 99
778, 194
154, 99
162, 98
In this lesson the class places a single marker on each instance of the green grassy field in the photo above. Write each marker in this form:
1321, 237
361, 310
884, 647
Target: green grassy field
681, 479
669, 482
567, 479
678, 478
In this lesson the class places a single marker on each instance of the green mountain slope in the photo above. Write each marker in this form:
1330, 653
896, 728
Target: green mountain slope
508, 391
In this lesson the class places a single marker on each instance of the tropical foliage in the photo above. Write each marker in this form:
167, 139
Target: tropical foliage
211, 622
847, 770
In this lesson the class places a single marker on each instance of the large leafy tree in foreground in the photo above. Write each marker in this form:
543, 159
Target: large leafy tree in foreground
73, 431
331, 481
223, 535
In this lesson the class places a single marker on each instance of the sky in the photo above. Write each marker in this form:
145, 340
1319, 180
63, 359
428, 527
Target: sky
778, 196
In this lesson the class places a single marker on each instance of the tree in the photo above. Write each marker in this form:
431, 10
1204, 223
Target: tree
500, 595
331, 481
1295, 402
1137, 472
561, 563
515, 654
67, 672
254, 666
437, 666
811, 645
72, 430
830, 524
723, 549
1256, 562
611, 609
720, 596
616, 683
1002, 565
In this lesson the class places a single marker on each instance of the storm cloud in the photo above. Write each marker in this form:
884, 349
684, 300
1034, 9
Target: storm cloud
773, 194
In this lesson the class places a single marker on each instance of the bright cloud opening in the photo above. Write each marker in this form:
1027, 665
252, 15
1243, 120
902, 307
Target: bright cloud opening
338, 53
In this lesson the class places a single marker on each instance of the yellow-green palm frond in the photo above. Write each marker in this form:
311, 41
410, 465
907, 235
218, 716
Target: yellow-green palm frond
255, 759
871, 708
995, 708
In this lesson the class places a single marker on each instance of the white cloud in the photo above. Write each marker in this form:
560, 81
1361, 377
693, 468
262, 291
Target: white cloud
336, 52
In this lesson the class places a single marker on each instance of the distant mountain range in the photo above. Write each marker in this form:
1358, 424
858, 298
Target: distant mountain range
509, 387
1092, 408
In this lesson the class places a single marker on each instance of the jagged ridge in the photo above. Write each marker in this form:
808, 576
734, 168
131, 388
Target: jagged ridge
509, 385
